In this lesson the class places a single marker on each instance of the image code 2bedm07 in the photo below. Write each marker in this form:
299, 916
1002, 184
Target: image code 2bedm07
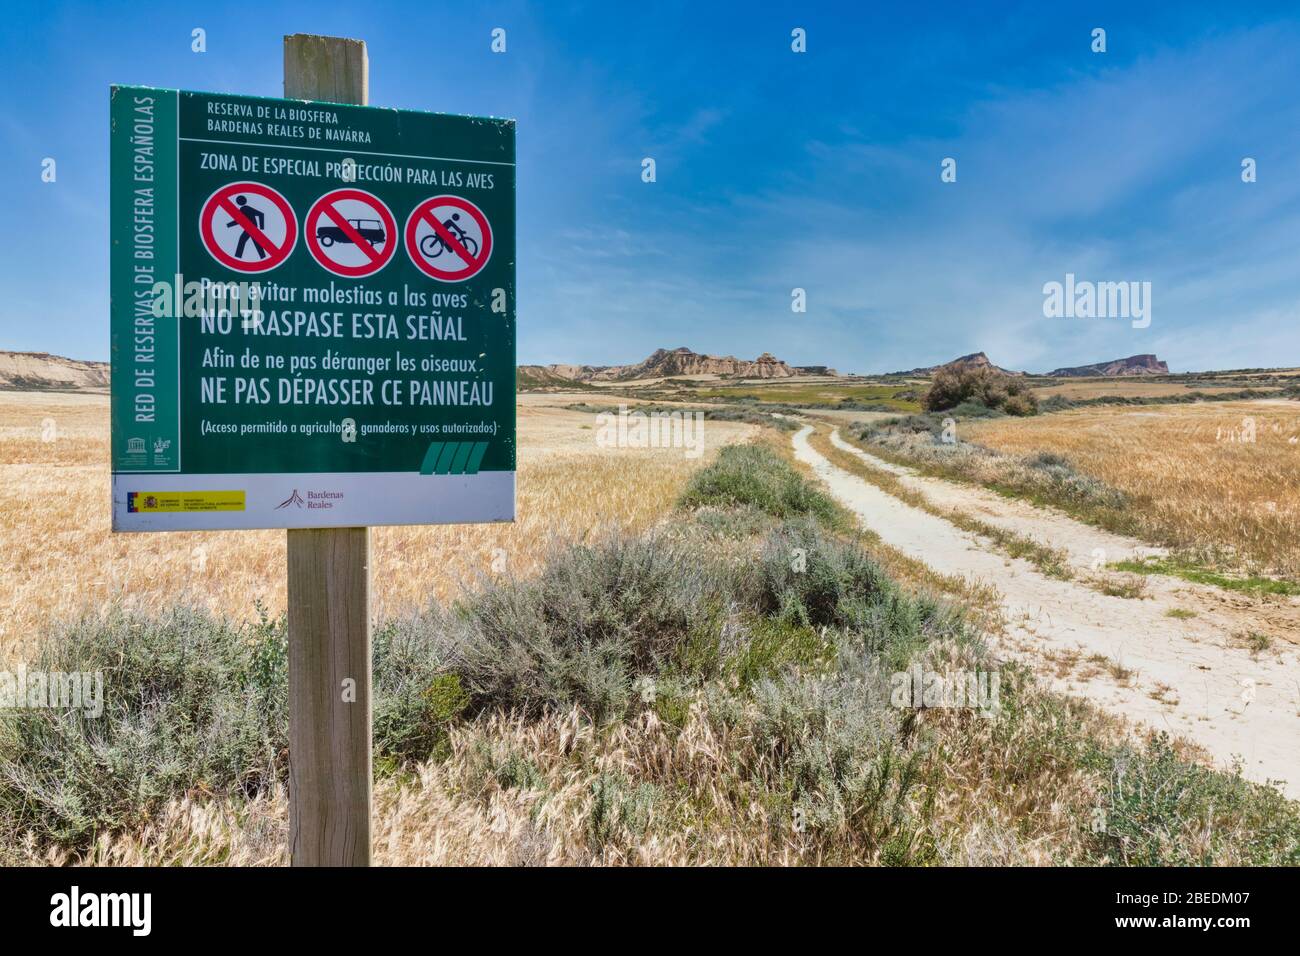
312, 312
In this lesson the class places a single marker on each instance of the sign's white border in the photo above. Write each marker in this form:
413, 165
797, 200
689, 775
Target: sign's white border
366, 498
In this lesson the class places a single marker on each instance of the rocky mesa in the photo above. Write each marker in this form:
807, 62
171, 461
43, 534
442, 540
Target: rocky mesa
41, 371
667, 363
1133, 365
974, 360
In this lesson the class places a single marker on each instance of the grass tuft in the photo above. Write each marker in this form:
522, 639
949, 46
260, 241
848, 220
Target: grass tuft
1250, 584
755, 476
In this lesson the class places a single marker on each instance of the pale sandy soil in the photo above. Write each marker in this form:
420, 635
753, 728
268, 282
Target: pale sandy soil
845, 416
1189, 677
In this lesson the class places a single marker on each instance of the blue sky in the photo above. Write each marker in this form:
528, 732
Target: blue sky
775, 170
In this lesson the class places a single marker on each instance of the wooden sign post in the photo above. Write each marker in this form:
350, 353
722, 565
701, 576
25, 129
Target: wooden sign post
329, 593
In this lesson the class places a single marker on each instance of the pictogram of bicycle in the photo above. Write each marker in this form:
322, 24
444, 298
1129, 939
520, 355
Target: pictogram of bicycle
433, 246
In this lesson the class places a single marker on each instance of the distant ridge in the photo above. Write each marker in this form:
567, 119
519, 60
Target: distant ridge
667, 363
1133, 365
41, 371
974, 360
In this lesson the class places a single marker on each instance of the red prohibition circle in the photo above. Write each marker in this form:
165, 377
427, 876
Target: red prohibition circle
343, 231
424, 212
220, 203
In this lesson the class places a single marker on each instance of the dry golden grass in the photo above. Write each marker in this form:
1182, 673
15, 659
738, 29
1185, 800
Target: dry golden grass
459, 812
60, 556
1195, 483
562, 791
1130, 387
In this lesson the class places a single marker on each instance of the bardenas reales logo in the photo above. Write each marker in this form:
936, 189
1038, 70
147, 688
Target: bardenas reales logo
314, 499
293, 499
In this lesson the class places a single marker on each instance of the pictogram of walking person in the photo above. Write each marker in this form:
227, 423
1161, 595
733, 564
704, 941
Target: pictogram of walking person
257, 218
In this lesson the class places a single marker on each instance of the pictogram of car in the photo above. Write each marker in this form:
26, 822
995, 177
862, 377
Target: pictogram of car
371, 230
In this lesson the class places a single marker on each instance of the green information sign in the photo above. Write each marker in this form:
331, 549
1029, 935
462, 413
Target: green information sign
313, 314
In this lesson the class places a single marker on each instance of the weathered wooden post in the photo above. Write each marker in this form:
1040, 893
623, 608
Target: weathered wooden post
329, 593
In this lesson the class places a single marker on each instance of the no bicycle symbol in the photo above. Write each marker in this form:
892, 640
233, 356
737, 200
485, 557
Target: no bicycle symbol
448, 238
248, 227
351, 232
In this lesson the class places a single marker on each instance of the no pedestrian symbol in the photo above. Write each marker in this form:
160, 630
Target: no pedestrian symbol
351, 232
448, 238
248, 227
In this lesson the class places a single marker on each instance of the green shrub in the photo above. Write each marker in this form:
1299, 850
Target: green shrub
413, 702
735, 523
973, 410
584, 629
951, 387
836, 755
599, 618
619, 810
1020, 405
771, 647
814, 579
1160, 810
755, 475
810, 577
191, 701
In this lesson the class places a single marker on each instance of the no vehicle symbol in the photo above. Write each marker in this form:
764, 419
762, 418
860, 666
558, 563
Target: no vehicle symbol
351, 232
448, 238
248, 227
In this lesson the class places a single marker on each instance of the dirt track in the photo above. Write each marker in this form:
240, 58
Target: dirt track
1190, 677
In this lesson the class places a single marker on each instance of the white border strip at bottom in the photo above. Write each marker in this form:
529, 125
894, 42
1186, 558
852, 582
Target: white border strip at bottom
342, 500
